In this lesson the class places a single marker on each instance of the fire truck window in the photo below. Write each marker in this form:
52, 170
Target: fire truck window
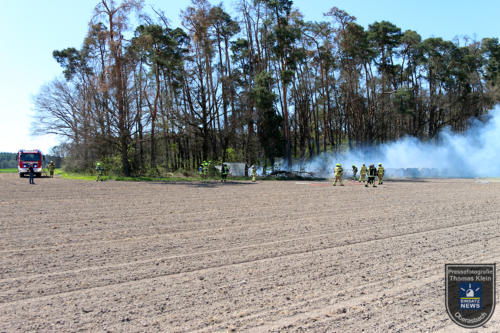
30, 157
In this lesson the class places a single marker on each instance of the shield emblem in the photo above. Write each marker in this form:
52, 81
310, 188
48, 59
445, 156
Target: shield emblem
470, 293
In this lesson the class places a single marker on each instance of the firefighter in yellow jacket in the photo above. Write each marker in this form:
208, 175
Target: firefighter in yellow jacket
362, 173
52, 167
338, 171
380, 174
99, 171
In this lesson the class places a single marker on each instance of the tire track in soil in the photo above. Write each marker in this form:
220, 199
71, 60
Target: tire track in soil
225, 251
383, 281
321, 295
180, 246
333, 309
209, 329
271, 217
103, 274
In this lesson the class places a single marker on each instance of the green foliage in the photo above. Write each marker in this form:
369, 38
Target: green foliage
79, 176
71, 60
287, 76
404, 101
111, 165
491, 50
411, 37
384, 37
283, 7
233, 155
8, 160
411, 43
269, 122
223, 22
162, 48
355, 44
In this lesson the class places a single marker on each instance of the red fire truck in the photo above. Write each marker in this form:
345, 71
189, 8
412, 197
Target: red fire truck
26, 157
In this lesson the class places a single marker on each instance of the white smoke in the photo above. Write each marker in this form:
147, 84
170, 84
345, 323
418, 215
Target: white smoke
473, 153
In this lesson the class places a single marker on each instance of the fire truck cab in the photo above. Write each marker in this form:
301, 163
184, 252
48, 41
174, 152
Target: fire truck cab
25, 157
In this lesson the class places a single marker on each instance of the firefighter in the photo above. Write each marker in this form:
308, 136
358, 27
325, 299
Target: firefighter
98, 170
31, 171
204, 169
372, 172
224, 172
354, 172
380, 173
362, 173
52, 167
338, 171
254, 174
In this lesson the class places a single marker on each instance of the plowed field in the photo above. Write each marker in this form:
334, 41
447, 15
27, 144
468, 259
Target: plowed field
241, 256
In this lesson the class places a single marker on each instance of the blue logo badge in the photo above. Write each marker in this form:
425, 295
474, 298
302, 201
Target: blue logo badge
470, 296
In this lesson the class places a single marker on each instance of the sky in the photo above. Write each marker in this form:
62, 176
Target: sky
32, 29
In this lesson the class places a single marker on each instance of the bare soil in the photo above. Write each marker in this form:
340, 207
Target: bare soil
241, 256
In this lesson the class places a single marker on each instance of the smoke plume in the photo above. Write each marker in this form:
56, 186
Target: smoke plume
473, 153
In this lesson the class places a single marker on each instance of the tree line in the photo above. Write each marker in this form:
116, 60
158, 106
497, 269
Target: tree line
8, 160
255, 87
